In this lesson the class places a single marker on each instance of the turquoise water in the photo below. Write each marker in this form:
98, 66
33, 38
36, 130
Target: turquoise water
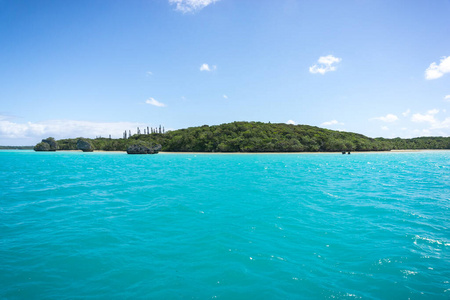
186, 226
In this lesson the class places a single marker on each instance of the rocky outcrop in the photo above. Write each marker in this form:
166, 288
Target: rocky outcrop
48, 144
143, 148
42, 147
84, 145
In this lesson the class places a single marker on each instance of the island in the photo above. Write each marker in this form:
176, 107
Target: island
246, 137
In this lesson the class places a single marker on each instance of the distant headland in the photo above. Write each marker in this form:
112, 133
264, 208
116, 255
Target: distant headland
16, 147
243, 137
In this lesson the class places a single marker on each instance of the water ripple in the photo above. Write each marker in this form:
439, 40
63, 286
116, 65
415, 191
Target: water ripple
224, 226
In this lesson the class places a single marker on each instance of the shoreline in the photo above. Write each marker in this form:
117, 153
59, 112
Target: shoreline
247, 153
338, 152
296, 153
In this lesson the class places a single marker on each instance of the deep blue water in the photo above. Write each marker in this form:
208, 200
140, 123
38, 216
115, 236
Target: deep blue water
186, 226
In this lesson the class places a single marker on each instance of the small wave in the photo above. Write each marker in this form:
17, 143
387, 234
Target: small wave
432, 241
272, 257
409, 272
384, 261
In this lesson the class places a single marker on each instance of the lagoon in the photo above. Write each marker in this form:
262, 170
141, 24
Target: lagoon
203, 226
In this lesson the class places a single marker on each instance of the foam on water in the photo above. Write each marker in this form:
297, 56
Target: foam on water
224, 226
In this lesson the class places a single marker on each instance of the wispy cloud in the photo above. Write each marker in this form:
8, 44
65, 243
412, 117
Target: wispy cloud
225, 96
433, 111
5, 117
154, 102
325, 64
149, 73
13, 133
447, 98
388, 118
191, 6
406, 113
332, 122
430, 118
435, 70
291, 122
206, 67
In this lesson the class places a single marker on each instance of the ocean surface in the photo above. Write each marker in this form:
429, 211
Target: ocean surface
206, 226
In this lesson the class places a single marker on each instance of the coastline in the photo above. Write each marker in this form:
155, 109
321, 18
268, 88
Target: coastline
247, 153
296, 153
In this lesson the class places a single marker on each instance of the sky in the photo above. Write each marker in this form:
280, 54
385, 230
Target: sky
97, 68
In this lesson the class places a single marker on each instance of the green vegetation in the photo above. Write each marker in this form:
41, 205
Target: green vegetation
261, 137
419, 143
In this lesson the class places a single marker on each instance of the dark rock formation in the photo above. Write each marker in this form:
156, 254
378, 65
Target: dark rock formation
48, 144
143, 148
84, 145
42, 147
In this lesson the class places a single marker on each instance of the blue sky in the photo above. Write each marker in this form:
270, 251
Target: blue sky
94, 68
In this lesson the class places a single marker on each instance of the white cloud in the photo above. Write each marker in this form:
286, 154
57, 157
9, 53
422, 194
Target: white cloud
30, 133
447, 98
291, 122
149, 73
190, 6
428, 117
205, 67
435, 71
326, 64
225, 96
333, 122
406, 113
388, 118
152, 101
422, 118
384, 128
444, 124
328, 60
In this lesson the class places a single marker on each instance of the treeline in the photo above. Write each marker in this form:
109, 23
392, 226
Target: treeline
104, 144
419, 143
261, 137
266, 137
